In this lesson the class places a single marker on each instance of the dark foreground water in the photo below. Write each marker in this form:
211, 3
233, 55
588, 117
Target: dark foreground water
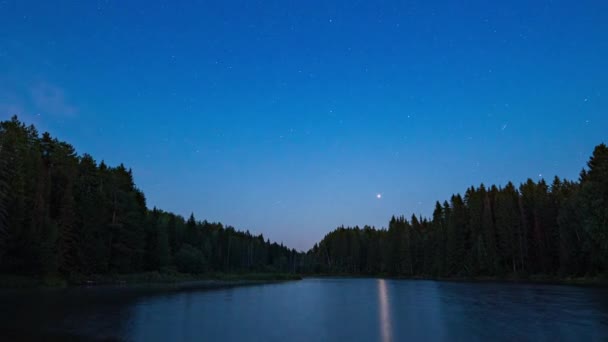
311, 310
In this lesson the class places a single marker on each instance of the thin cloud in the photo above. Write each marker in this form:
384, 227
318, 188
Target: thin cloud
50, 99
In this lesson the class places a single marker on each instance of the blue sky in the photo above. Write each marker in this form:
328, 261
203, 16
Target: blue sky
287, 118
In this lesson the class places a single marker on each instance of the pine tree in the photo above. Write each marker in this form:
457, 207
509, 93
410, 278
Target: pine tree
508, 229
474, 200
593, 200
457, 235
4, 195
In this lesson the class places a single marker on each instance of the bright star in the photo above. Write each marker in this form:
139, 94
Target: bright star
379, 196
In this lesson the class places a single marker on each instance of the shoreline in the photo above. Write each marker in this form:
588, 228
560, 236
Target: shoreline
180, 281
148, 280
581, 281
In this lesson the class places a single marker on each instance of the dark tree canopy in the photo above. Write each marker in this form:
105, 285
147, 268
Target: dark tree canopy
558, 229
61, 213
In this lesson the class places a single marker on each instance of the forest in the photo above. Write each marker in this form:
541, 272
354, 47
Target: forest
559, 230
66, 214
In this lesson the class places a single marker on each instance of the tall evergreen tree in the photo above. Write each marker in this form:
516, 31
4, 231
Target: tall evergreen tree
61, 213
64, 213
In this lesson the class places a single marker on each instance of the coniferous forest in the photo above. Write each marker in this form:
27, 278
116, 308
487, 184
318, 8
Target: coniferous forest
65, 214
555, 230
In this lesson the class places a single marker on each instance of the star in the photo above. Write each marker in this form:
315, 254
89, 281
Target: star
379, 196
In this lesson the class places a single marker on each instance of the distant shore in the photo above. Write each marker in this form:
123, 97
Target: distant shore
535, 279
181, 281
176, 281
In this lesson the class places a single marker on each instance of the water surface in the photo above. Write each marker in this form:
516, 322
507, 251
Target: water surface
312, 310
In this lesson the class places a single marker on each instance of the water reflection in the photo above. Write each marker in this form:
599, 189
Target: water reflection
311, 310
385, 314
65, 314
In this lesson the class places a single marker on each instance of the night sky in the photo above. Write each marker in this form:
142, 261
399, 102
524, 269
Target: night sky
289, 118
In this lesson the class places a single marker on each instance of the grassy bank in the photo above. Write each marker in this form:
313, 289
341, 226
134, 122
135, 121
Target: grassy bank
16, 281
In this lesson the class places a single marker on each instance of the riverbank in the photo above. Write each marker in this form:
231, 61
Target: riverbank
177, 280
172, 279
534, 279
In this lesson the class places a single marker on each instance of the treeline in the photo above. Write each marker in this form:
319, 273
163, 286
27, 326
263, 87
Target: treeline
61, 213
65, 214
558, 229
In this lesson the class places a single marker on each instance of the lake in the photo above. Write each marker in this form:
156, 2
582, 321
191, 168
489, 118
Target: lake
325, 309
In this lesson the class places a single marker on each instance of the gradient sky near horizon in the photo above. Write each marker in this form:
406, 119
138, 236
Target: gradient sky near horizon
288, 118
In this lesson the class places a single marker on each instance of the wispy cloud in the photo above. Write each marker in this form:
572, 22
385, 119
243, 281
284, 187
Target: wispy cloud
50, 99
34, 100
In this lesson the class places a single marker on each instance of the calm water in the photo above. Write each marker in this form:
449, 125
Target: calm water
312, 310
